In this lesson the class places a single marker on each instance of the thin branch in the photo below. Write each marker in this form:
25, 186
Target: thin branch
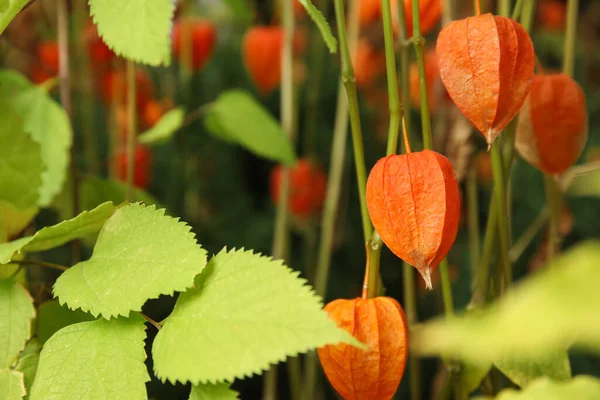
40, 263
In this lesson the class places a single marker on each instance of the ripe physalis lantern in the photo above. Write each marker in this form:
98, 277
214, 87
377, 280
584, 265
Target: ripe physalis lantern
376, 372
486, 63
414, 203
553, 124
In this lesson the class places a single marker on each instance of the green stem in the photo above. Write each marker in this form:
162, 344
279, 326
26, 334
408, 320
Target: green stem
350, 85
65, 99
504, 8
317, 63
294, 376
446, 288
473, 219
374, 248
570, 36
408, 271
330, 207
287, 123
392, 80
410, 307
39, 263
553, 199
482, 277
527, 14
517, 10
527, 237
131, 131
419, 43
500, 196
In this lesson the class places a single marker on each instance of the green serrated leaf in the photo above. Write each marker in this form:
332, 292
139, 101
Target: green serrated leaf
8, 10
472, 374
48, 125
16, 313
561, 302
555, 365
322, 24
138, 30
20, 161
14, 220
245, 312
11, 385
219, 391
241, 119
140, 254
53, 236
164, 128
585, 185
581, 388
94, 360
27, 364
53, 317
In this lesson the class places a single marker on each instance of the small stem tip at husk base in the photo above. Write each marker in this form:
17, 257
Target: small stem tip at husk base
426, 274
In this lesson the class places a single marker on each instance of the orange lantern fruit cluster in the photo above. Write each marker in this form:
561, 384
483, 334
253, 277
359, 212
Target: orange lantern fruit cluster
486, 63
202, 35
553, 125
308, 184
430, 12
261, 52
376, 372
414, 204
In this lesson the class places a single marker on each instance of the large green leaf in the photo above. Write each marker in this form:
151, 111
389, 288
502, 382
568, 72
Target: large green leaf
136, 29
322, 24
16, 313
27, 364
48, 125
244, 313
472, 374
238, 117
94, 360
140, 254
554, 364
8, 10
52, 317
14, 220
11, 385
580, 388
553, 309
20, 161
219, 391
164, 128
53, 236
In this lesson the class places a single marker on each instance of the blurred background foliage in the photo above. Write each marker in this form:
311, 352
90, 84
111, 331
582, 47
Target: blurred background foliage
222, 190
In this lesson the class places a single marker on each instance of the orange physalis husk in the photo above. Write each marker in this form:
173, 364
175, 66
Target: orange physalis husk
553, 124
414, 203
430, 12
486, 63
375, 373
261, 54
308, 186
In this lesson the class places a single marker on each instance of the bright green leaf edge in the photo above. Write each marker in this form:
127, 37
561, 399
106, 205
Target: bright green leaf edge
164, 129
322, 24
561, 301
7, 14
53, 236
